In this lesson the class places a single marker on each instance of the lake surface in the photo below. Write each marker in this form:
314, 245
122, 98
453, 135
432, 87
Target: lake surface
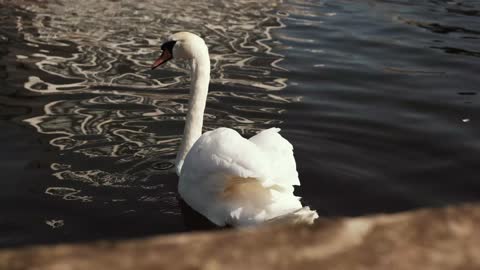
379, 98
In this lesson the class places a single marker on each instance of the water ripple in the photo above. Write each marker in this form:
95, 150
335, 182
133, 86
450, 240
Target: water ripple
96, 57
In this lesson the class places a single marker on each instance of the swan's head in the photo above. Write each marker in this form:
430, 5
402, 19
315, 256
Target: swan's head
182, 45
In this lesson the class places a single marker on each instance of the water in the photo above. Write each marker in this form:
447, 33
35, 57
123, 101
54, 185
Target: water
379, 98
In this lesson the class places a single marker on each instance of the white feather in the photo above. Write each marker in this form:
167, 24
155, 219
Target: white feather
232, 180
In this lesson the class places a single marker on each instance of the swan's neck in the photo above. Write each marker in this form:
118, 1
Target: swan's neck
200, 77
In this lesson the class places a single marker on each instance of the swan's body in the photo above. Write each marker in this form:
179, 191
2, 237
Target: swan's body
226, 178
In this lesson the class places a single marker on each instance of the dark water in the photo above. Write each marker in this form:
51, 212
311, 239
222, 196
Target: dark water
379, 98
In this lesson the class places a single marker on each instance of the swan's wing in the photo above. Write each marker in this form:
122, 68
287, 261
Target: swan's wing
230, 179
280, 154
224, 152
266, 156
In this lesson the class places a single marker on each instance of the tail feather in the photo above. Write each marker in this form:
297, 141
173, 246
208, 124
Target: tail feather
301, 216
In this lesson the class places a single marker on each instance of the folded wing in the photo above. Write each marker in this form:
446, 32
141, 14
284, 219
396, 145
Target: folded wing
230, 179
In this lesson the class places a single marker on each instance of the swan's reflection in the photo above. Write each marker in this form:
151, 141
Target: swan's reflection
95, 58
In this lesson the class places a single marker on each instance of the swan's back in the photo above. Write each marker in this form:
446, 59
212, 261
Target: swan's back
232, 180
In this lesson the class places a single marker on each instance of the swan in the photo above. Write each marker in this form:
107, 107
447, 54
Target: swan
228, 179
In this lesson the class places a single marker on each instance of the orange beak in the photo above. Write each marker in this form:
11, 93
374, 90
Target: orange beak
166, 55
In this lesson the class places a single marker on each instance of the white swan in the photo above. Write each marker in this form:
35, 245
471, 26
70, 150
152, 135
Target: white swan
229, 179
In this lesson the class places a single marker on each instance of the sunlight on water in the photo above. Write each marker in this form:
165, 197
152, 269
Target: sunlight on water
97, 56
378, 98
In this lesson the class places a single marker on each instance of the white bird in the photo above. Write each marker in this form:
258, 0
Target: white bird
223, 176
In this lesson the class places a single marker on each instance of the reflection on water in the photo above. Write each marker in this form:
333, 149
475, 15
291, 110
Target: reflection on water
97, 56
381, 106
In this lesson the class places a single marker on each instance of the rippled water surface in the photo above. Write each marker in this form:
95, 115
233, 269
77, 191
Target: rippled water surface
379, 98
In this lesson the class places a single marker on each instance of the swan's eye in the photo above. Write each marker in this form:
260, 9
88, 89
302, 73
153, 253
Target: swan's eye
168, 45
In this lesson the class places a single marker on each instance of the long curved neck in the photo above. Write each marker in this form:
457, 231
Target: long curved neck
200, 78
